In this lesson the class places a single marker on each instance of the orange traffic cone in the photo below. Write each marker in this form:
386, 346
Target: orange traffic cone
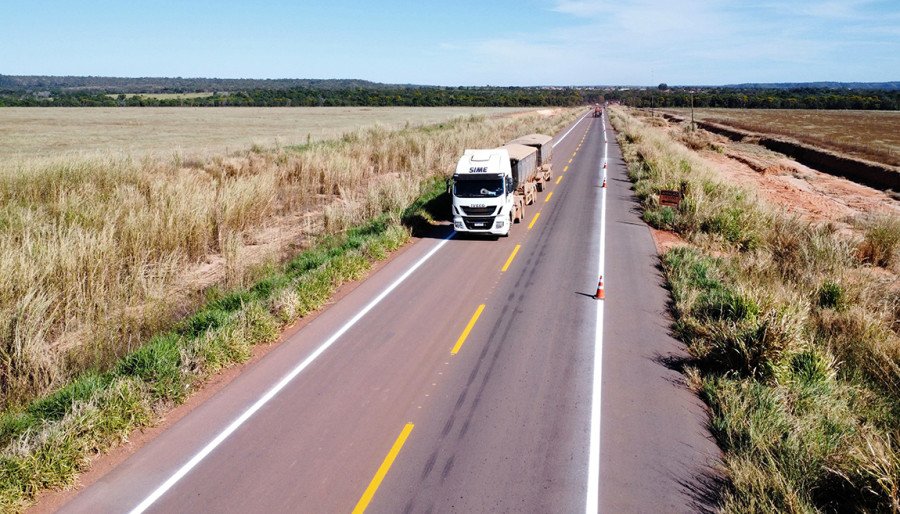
604, 183
600, 294
604, 165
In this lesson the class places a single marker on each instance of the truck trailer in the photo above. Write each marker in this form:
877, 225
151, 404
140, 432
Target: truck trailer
491, 187
541, 143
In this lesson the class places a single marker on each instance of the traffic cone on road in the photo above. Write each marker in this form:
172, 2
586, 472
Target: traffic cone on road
604, 165
600, 294
604, 182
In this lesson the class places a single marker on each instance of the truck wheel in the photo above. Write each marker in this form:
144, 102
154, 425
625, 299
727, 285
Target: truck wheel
540, 186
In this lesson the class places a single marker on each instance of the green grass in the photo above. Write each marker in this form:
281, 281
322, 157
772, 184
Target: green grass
49, 441
792, 334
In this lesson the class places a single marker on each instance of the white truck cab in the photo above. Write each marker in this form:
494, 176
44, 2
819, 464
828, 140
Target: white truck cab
484, 193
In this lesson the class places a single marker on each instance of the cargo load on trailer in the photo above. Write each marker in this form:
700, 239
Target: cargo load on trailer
523, 161
541, 143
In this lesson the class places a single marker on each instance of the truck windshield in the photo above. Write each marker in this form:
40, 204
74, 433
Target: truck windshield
487, 188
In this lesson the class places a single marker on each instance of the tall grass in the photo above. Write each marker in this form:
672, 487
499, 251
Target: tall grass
792, 331
48, 442
96, 255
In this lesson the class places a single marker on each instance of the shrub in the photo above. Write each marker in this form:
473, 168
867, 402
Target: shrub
881, 242
832, 296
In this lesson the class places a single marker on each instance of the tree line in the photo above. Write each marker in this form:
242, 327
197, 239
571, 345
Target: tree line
314, 97
798, 98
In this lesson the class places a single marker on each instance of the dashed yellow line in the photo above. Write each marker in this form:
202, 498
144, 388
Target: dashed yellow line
548, 197
570, 161
565, 169
558, 180
512, 256
382, 470
533, 220
465, 333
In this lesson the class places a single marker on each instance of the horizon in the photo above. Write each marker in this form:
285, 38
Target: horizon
535, 86
636, 43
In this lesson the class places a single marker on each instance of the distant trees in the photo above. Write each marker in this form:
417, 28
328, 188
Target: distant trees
800, 98
661, 96
303, 96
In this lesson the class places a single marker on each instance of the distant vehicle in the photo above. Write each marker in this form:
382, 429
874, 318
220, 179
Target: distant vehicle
491, 187
598, 111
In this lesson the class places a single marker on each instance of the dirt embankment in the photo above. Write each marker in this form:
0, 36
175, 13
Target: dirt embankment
872, 174
783, 181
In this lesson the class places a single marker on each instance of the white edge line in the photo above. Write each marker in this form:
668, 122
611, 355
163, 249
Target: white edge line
558, 141
199, 456
593, 486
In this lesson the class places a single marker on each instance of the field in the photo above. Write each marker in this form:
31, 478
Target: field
97, 254
30, 133
125, 283
871, 135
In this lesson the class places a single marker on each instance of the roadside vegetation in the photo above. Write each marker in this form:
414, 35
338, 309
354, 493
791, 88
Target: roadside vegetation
793, 332
101, 332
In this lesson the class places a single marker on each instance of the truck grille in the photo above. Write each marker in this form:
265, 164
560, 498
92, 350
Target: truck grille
479, 211
479, 223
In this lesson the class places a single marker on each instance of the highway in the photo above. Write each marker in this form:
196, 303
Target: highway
460, 377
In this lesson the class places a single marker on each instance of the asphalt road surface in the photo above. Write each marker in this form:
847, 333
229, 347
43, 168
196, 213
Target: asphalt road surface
459, 377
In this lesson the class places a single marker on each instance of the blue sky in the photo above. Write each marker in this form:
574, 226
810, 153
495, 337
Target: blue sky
529, 42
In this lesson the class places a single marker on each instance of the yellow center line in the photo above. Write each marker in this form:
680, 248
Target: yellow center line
511, 257
565, 169
383, 470
533, 220
570, 161
465, 333
559, 179
548, 197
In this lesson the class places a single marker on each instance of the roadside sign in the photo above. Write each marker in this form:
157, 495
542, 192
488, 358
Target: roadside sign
670, 198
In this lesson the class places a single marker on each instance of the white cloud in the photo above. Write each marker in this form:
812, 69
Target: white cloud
583, 8
697, 42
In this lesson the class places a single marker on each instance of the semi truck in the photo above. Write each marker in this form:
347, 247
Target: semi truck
598, 111
491, 187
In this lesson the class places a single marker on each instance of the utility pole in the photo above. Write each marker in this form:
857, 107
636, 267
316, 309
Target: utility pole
692, 110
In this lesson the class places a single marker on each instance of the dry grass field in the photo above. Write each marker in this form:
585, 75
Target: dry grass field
871, 135
28, 133
98, 254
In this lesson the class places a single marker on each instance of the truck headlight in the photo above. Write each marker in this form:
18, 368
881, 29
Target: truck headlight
499, 224
458, 225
